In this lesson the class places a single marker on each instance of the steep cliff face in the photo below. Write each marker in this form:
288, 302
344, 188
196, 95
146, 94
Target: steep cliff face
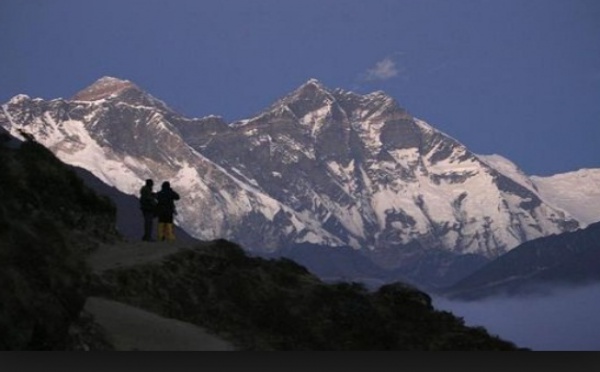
321, 167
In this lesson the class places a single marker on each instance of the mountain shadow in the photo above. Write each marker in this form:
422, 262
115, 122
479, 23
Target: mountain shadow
535, 267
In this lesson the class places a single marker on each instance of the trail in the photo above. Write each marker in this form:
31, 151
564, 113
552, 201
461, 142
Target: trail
129, 328
132, 329
128, 254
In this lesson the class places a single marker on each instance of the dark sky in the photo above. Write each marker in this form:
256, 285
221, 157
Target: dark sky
519, 78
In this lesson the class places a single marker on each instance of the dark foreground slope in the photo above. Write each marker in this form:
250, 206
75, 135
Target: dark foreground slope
51, 224
260, 304
49, 221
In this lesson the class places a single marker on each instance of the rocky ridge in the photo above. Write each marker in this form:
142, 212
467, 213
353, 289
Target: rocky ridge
324, 167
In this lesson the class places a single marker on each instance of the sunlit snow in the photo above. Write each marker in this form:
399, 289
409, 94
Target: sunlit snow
576, 192
408, 191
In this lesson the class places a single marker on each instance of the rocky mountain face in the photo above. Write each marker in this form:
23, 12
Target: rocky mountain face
320, 167
536, 267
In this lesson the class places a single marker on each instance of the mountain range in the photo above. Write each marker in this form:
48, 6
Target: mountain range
323, 175
71, 282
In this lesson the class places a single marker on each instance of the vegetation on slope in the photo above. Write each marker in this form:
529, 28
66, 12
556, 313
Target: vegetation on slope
48, 220
261, 304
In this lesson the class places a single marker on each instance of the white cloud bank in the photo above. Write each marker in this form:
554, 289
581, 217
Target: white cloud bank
568, 320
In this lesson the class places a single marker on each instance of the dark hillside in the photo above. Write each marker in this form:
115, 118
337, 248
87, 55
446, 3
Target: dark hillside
48, 223
261, 304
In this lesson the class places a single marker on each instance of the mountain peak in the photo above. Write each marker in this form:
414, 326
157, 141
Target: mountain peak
102, 88
111, 80
314, 82
19, 98
126, 92
311, 88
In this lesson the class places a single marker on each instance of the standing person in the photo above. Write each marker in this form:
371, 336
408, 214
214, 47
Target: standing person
165, 210
148, 207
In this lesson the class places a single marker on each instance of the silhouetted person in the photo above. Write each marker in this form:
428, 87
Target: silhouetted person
166, 210
148, 206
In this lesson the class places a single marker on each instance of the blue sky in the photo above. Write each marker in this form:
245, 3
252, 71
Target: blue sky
519, 78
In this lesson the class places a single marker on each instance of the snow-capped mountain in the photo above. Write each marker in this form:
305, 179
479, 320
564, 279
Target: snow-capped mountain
575, 192
320, 166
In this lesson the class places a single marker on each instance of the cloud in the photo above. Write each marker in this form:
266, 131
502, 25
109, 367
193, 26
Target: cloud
383, 70
564, 320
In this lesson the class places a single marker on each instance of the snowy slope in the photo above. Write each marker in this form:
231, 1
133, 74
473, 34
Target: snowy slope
379, 178
576, 192
509, 169
214, 201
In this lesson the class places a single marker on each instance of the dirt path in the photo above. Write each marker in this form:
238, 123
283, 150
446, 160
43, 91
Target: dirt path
130, 328
134, 253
